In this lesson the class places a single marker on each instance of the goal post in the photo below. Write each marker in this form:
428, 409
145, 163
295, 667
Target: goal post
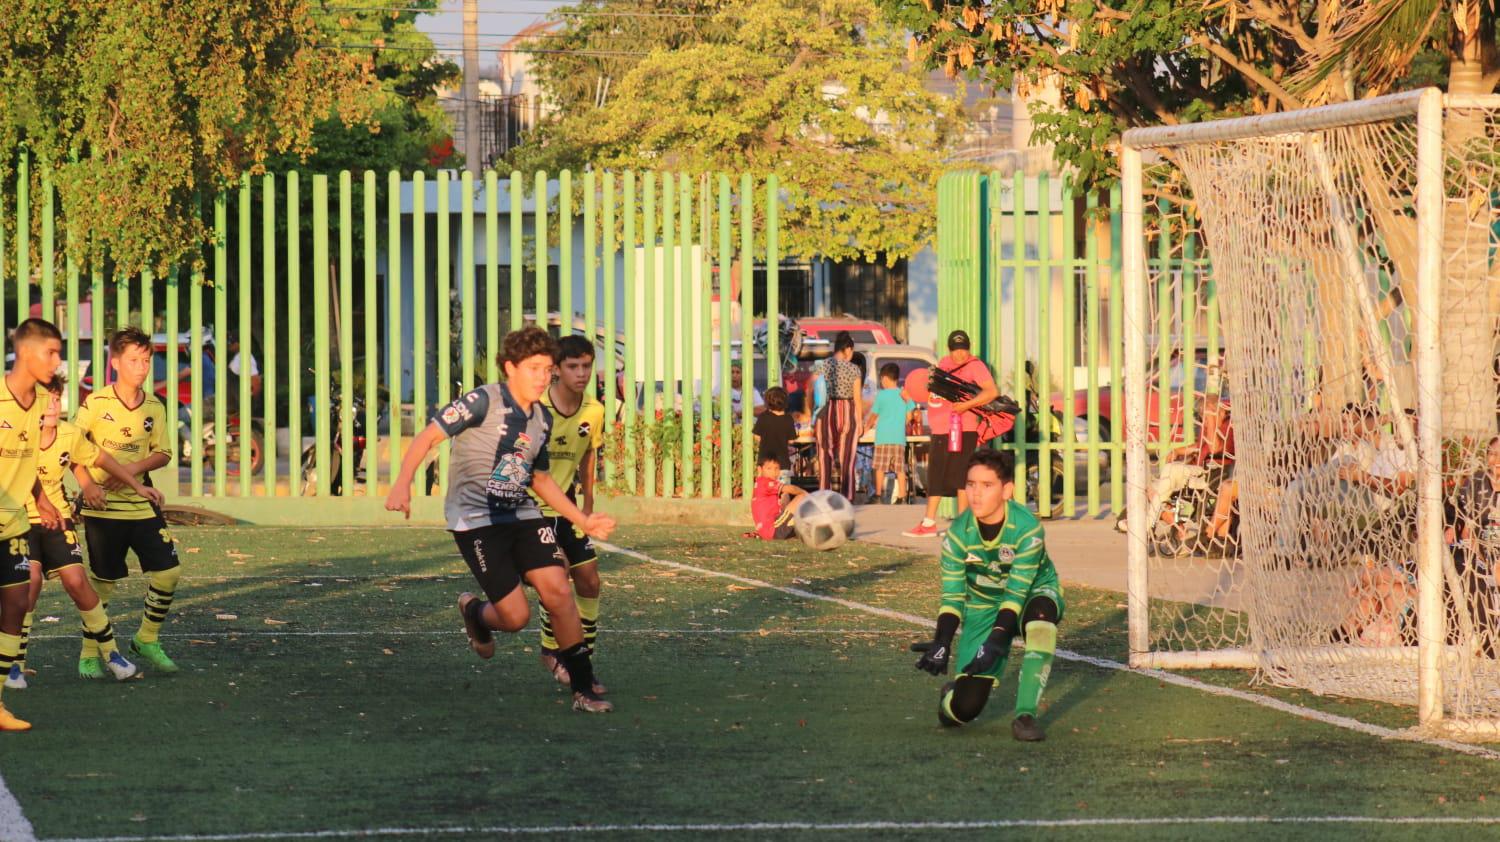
1354, 267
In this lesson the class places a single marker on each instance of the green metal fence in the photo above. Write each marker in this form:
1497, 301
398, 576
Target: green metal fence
1032, 268
383, 289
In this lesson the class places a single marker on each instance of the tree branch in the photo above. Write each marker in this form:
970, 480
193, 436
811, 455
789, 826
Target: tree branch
1280, 21
1250, 72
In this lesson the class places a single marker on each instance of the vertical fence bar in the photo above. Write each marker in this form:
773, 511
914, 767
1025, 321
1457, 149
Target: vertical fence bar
268, 333
1069, 348
394, 316
372, 342
49, 242
294, 330
686, 301
173, 291
564, 253
23, 242
539, 234
220, 361
343, 324
611, 326
1091, 339
669, 311
442, 305
630, 307
1044, 344
195, 367
1163, 304
1020, 210
704, 283
517, 247
419, 310
491, 276
1116, 348
1189, 295
726, 294
590, 259
242, 284
122, 301
2, 254
466, 279
96, 323
148, 316
72, 327
773, 286
322, 403
747, 336
650, 335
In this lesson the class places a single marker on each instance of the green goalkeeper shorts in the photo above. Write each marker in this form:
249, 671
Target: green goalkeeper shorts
979, 619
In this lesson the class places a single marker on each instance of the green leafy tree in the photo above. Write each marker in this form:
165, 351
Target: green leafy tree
814, 91
140, 107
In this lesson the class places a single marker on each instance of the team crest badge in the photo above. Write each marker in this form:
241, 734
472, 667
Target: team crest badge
584, 430
523, 441
1007, 555
150, 424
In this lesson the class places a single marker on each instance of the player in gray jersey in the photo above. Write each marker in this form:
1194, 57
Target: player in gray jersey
499, 434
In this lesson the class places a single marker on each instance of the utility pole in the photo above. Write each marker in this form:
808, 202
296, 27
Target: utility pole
472, 152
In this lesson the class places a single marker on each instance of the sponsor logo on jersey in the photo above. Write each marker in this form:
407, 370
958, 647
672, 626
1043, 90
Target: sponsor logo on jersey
479, 558
1007, 555
523, 441
15, 452
5, 425
122, 446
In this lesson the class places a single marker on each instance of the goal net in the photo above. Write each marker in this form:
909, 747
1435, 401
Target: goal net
1326, 511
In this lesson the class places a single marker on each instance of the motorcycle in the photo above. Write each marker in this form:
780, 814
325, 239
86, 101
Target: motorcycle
338, 450
232, 433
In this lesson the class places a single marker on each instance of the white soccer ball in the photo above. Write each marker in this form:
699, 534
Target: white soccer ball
824, 520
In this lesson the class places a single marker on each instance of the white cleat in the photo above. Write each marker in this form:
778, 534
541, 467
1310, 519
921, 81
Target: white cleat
120, 668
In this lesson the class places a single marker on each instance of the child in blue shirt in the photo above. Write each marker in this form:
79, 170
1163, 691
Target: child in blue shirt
888, 414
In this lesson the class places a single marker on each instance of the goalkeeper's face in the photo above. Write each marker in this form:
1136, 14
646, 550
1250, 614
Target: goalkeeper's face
988, 493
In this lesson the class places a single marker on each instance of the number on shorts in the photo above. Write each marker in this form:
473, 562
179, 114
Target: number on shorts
20, 547
166, 536
70, 536
547, 535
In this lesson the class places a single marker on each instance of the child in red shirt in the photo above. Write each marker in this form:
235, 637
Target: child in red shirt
771, 504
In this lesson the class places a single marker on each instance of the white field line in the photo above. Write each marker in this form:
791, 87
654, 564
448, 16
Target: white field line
773, 827
1104, 663
458, 632
13, 824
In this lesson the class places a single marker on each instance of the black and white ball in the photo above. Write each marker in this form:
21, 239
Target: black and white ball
824, 520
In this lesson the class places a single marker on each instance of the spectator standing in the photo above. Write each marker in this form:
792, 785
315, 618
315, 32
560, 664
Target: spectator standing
888, 413
839, 422
955, 432
774, 430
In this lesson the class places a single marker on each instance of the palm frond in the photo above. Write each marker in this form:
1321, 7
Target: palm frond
1375, 42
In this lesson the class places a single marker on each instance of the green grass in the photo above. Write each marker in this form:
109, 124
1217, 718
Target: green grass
343, 697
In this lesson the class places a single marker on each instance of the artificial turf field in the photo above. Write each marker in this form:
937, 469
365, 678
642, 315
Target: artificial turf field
342, 698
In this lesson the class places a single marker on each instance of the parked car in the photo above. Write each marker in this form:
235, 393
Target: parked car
862, 331
1203, 368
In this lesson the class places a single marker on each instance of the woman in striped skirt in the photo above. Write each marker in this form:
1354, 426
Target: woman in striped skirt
839, 422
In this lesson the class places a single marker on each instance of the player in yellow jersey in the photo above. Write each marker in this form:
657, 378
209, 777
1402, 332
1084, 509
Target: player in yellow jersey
577, 433
56, 552
129, 424
38, 347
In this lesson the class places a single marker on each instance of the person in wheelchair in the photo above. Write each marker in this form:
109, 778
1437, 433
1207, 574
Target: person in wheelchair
1207, 463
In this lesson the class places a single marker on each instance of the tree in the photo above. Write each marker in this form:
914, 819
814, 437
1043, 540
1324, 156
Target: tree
141, 107
812, 90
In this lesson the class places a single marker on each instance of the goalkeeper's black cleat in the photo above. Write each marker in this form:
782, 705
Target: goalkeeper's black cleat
943, 718
1026, 729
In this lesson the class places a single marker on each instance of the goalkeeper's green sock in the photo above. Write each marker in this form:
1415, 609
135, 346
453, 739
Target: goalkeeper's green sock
1041, 643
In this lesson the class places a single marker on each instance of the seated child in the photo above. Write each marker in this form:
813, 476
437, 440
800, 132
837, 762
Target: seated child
771, 505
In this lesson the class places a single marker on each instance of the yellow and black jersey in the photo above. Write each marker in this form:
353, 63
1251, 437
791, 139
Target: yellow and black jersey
129, 434
20, 434
55, 461
573, 438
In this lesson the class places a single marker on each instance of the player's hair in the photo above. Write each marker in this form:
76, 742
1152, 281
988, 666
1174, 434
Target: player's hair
892, 371
56, 384
859, 362
776, 399
1002, 463
34, 329
523, 344
572, 347
842, 341
128, 337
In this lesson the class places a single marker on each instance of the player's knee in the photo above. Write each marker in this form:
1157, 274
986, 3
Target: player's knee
1041, 636
1041, 609
508, 615
968, 697
166, 580
555, 594
586, 579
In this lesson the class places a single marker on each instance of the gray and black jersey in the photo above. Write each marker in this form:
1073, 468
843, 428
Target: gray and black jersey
496, 449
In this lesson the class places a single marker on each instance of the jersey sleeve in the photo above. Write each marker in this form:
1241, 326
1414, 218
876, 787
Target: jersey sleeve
595, 419
82, 451
1031, 552
468, 411
158, 416
955, 580
85, 417
543, 461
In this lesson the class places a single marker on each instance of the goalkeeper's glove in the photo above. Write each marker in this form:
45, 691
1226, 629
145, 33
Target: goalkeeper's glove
935, 659
990, 653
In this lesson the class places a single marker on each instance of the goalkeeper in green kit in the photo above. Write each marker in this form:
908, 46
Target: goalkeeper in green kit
998, 583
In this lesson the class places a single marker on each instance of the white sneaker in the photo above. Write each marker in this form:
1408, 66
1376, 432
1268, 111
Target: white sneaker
120, 668
17, 678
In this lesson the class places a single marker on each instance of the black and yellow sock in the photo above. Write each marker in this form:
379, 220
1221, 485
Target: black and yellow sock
1036, 664
25, 639
588, 614
158, 603
98, 633
105, 590
549, 642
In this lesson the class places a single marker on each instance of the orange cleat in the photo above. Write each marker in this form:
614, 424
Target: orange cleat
9, 722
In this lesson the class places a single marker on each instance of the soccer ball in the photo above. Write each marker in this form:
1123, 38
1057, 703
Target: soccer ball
824, 520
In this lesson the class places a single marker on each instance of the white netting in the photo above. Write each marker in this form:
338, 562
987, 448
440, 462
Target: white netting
1313, 241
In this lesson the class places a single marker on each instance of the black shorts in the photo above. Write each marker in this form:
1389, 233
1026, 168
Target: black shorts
55, 548
575, 545
15, 561
110, 539
948, 473
500, 554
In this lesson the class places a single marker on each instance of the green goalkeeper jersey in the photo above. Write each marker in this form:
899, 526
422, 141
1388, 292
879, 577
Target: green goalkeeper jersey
999, 574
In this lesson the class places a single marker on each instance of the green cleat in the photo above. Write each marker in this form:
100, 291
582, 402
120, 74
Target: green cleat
152, 655
91, 668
